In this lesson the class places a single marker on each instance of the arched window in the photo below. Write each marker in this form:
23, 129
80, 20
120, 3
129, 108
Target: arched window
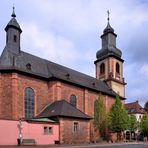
15, 38
102, 68
73, 100
29, 103
117, 68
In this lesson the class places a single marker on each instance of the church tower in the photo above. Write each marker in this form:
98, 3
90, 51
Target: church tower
109, 64
13, 32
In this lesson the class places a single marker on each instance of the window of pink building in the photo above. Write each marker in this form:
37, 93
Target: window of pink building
48, 130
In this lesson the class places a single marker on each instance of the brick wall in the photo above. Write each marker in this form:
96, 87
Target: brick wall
12, 96
68, 136
67, 90
85, 98
12, 88
41, 89
6, 96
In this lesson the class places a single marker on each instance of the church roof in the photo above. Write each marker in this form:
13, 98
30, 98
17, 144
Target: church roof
33, 65
62, 109
28, 64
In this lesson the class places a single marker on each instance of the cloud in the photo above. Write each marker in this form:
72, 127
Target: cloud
67, 32
48, 45
53, 47
144, 70
136, 78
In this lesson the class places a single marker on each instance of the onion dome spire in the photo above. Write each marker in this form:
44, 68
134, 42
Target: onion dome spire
108, 42
108, 27
13, 12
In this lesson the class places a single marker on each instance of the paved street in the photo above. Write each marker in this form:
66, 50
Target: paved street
125, 145
122, 146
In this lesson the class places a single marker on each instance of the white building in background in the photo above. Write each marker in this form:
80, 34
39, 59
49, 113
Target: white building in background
134, 108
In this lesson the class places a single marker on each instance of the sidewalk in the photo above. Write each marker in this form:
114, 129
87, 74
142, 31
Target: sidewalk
77, 146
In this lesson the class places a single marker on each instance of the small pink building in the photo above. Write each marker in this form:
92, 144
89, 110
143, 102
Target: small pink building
43, 131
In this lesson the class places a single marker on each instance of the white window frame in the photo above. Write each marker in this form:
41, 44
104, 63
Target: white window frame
49, 130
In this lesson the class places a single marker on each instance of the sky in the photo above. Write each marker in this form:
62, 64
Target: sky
68, 32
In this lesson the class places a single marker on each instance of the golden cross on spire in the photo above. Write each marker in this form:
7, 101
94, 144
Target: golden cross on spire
108, 13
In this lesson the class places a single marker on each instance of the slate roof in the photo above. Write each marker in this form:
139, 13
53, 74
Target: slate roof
48, 70
110, 51
14, 24
134, 108
108, 29
62, 109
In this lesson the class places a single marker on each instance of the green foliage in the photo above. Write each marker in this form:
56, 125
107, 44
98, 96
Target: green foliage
133, 124
99, 114
146, 107
118, 117
144, 124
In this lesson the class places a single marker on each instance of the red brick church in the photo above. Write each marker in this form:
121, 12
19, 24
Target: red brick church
35, 88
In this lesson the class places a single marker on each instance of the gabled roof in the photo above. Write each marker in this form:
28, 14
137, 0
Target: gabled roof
134, 108
62, 109
48, 70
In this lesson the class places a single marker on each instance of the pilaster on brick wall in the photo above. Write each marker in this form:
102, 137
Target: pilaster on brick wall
14, 95
58, 87
56, 90
61, 131
86, 101
51, 91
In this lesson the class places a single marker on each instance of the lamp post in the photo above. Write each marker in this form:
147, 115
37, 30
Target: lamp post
20, 131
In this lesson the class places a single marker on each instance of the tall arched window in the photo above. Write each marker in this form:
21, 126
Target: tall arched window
29, 103
117, 68
73, 100
102, 68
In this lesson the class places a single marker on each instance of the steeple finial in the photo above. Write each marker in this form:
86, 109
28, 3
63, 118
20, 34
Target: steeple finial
108, 13
13, 12
108, 27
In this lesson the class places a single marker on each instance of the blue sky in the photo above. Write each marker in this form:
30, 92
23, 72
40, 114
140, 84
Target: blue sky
68, 32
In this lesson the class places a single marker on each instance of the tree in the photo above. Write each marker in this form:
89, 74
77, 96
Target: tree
133, 124
118, 117
99, 115
146, 107
144, 124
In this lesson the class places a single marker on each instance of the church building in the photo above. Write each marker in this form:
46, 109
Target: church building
39, 91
